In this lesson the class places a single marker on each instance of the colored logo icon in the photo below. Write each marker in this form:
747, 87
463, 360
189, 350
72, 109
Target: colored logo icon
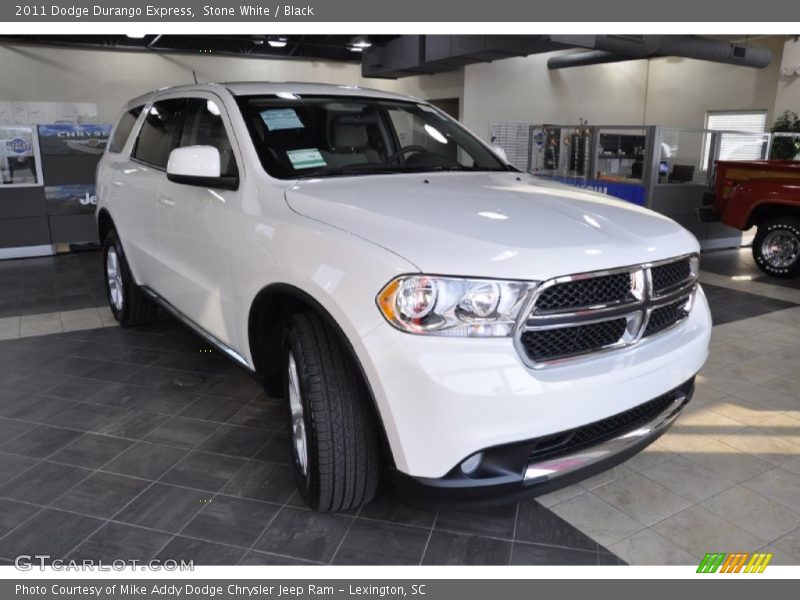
737, 562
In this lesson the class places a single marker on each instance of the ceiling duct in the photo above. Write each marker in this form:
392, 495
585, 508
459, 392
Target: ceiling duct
416, 54
613, 48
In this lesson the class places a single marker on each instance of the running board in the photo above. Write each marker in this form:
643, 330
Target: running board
208, 337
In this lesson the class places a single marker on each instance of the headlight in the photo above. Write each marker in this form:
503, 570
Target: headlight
453, 306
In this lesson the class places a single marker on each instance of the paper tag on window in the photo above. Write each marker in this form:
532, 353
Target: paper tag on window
307, 158
281, 118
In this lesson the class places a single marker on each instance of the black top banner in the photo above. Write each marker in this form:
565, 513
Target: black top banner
534, 11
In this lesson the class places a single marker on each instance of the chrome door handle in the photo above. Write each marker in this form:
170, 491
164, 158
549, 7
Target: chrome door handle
166, 201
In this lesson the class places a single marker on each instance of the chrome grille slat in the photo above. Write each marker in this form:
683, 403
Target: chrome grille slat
580, 315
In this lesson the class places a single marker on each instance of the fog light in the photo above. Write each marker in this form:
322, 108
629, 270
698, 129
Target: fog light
472, 463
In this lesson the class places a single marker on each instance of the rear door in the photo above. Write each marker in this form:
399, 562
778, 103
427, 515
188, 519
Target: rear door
194, 225
138, 180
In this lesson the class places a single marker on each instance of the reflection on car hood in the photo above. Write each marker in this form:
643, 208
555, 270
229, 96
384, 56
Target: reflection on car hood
491, 224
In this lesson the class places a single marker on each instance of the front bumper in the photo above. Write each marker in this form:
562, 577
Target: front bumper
441, 400
541, 465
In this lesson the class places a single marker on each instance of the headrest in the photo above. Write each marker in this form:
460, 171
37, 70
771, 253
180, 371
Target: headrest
345, 136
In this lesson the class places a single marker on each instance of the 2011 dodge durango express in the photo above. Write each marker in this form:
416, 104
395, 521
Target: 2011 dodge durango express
417, 302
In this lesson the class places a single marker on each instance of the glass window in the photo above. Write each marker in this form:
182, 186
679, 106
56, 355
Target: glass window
123, 129
681, 156
204, 127
322, 136
620, 155
737, 145
159, 131
19, 156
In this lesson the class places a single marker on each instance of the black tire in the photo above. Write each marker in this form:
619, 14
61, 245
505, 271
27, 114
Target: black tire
786, 229
341, 437
135, 307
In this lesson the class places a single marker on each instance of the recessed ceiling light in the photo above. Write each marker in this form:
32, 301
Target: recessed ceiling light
360, 41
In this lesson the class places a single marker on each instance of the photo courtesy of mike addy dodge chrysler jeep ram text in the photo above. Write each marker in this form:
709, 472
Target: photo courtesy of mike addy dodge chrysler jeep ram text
424, 308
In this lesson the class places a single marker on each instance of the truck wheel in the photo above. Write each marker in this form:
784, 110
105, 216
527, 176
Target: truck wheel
128, 302
333, 432
776, 247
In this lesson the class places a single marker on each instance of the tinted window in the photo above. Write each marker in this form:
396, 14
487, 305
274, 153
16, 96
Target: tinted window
159, 132
123, 129
204, 127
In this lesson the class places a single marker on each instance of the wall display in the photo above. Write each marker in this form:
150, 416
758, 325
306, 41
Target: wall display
70, 199
14, 112
20, 163
59, 139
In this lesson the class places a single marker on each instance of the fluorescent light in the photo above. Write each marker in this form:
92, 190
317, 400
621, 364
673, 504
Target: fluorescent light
287, 95
435, 134
277, 42
135, 36
355, 49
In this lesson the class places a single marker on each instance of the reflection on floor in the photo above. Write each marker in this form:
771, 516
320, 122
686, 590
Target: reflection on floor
134, 443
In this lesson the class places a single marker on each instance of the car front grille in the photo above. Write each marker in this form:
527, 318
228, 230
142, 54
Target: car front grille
663, 317
574, 440
582, 314
552, 344
585, 292
671, 275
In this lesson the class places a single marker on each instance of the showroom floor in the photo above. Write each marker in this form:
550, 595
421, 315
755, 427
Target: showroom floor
145, 443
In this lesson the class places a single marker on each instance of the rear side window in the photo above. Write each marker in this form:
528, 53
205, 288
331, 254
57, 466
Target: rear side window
123, 129
204, 127
159, 132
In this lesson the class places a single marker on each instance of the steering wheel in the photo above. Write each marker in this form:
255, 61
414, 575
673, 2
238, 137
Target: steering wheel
406, 149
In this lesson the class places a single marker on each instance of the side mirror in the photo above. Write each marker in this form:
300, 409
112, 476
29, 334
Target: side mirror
200, 166
500, 153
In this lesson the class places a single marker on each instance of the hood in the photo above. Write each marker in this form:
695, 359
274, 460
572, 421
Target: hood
486, 224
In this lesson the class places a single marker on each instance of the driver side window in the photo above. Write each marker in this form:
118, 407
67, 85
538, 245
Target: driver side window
204, 127
411, 130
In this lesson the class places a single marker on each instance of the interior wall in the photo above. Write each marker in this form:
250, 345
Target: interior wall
788, 96
111, 78
661, 91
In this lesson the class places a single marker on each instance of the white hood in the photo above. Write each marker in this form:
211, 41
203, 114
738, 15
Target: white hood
501, 225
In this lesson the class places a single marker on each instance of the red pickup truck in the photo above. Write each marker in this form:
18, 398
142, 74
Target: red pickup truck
764, 194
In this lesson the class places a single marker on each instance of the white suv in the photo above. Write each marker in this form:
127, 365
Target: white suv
419, 303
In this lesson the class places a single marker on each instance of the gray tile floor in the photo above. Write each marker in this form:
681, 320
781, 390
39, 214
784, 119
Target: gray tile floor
137, 443
141, 443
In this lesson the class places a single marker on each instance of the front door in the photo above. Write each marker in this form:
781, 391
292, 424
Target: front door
194, 226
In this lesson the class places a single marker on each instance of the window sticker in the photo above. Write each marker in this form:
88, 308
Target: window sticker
307, 158
281, 118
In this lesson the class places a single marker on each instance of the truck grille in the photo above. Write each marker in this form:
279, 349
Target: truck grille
581, 314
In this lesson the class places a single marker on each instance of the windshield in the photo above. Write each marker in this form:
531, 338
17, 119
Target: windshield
321, 136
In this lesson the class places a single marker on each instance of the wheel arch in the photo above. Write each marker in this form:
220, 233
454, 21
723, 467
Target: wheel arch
768, 210
269, 315
104, 224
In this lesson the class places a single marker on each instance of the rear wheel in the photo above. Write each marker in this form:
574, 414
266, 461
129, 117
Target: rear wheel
129, 304
776, 247
333, 430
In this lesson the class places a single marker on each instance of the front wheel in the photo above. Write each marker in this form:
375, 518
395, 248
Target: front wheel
333, 430
776, 247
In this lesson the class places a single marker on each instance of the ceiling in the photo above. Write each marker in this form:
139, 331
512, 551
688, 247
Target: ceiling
322, 47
